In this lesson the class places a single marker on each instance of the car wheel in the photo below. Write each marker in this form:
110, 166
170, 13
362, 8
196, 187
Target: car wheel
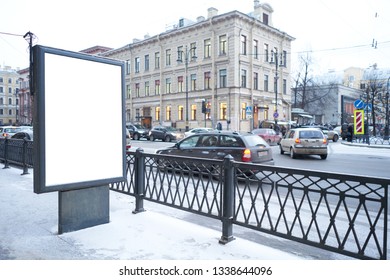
292, 153
281, 150
136, 136
335, 138
151, 138
167, 138
323, 156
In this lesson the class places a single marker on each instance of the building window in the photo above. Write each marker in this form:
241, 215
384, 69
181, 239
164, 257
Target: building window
243, 111
9, 101
137, 65
128, 91
284, 86
193, 82
193, 51
207, 80
207, 48
128, 67
168, 113
168, 85
265, 18
243, 78
180, 84
156, 87
193, 112
137, 89
243, 44
266, 52
284, 59
255, 80
222, 78
168, 57
181, 112
265, 82
147, 62
222, 45
223, 111
157, 114
147, 88
255, 49
180, 54
157, 60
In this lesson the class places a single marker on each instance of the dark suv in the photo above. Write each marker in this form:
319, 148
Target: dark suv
165, 133
244, 147
138, 131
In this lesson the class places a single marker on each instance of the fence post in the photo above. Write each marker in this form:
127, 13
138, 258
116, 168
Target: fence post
227, 200
6, 163
25, 168
139, 179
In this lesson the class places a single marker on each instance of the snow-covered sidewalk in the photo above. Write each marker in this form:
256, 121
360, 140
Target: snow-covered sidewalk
29, 224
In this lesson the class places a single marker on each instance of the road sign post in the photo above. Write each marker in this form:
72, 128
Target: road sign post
358, 121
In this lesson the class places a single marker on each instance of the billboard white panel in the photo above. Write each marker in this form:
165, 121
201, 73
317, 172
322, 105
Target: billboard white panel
79, 120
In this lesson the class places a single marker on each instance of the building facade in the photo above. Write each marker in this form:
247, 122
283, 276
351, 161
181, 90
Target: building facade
232, 69
9, 99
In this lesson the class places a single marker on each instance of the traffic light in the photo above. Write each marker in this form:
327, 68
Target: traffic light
204, 108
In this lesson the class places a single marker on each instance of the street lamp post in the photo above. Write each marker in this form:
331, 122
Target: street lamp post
187, 57
276, 114
387, 112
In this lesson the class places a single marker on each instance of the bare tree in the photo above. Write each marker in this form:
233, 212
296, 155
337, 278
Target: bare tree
312, 94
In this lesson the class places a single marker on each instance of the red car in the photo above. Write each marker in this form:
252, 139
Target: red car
268, 135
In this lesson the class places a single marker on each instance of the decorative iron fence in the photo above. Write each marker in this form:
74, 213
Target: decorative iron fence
346, 214
17, 152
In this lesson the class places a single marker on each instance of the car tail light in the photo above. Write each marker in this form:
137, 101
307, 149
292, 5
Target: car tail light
298, 141
324, 141
246, 156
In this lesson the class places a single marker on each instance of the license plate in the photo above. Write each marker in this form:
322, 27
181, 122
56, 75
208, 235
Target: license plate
262, 153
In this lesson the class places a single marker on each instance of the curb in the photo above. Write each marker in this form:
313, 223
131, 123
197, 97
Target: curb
376, 146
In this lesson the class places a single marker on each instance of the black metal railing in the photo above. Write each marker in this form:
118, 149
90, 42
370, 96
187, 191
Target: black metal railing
346, 214
17, 152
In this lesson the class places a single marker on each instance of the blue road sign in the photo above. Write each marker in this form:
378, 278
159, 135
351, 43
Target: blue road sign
359, 104
368, 107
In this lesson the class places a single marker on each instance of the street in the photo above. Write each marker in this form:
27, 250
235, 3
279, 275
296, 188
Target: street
341, 159
373, 162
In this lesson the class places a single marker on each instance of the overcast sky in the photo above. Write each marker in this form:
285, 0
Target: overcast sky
338, 33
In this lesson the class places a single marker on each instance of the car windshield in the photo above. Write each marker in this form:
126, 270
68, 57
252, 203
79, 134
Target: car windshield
139, 126
12, 129
255, 140
169, 128
310, 134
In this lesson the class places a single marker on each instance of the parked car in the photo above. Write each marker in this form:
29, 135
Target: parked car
165, 133
268, 135
8, 131
197, 130
304, 141
27, 134
330, 134
244, 147
138, 131
128, 139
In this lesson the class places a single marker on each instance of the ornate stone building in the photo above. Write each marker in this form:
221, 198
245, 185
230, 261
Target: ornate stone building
232, 69
9, 98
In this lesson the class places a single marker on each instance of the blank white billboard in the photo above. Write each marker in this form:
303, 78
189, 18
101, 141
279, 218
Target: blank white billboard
79, 120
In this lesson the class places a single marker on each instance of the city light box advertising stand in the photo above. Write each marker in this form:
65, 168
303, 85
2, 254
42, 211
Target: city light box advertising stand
79, 125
